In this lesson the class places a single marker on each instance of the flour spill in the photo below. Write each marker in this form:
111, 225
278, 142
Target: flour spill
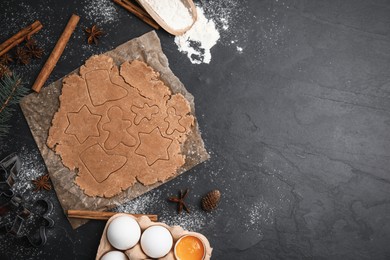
100, 11
198, 41
142, 204
218, 21
259, 214
195, 221
230, 17
147, 203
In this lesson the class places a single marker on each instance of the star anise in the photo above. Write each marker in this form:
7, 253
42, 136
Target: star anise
6, 59
22, 56
4, 70
30, 42
42, 182
34, 51
180, 201
93, 33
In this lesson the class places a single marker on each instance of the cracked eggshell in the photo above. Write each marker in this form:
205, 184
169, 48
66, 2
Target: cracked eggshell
136, 252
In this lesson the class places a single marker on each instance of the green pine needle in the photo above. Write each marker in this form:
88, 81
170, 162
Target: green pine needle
11, 91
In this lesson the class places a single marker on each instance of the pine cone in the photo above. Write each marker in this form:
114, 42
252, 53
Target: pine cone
211, 200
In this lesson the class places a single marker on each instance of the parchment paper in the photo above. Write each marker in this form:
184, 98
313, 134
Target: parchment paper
39, 110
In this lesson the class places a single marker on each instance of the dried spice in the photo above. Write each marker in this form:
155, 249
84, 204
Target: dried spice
211, 200
6, 59
180, 201
93, 34
4, 71
22, 56
34, 51
42, 183
30, 42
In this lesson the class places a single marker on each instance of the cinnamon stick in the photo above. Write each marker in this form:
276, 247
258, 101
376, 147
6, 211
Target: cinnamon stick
137, 8
20, 37
56, 53
38, 28
137, 11
100, 215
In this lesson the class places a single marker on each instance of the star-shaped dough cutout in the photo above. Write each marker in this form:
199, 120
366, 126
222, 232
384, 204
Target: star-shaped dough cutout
83, 124
153, 146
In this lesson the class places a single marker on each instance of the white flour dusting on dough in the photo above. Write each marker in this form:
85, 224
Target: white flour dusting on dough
198, 41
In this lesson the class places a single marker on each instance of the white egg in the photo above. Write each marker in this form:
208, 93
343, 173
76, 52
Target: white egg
114, 255
123, 232
156, 241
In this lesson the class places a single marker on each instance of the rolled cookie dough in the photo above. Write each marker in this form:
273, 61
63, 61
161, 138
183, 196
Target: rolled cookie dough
118, 126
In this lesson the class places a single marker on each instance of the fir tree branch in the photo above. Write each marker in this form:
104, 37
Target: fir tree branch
11, 91
15, 86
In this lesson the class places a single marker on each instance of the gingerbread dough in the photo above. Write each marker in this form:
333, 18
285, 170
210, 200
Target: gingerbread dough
119, 126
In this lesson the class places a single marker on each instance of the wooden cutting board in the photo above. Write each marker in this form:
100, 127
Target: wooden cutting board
39, 110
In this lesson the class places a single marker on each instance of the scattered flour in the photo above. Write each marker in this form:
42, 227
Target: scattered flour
230, 17
142, 204
198, 41
260, 214
100, 11
156, 201
195, 221
218, 21
173, 12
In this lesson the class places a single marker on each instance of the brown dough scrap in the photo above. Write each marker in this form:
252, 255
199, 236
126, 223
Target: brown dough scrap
117, 126
139, 75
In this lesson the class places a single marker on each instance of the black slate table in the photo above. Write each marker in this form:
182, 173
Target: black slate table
297, 124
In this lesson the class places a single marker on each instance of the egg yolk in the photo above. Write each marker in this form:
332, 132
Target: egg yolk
190, 248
